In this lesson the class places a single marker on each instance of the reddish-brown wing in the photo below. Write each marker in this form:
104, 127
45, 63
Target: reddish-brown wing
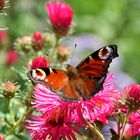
54, 78
57, 80
95, 66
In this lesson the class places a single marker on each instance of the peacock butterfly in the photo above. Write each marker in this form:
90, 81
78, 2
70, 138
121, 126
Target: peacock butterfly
82, 81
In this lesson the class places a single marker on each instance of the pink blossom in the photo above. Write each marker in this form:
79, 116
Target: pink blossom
38, 41
131, 95
39, 62
134, 119
3, 35
60, 15
11, 57
41, 128
55, 109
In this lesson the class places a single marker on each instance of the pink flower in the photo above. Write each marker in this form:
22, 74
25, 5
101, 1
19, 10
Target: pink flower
3, 35
38, 41
39, 62
11, 57
60, 15
134, 120
132, 97
2, 137
65, 113
41, 128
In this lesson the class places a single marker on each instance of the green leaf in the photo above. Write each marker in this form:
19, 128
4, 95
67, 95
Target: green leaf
3, 28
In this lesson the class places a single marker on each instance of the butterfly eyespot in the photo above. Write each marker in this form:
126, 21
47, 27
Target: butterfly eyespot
104, 53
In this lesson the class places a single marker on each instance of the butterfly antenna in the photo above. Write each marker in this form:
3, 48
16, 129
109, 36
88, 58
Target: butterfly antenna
73, 53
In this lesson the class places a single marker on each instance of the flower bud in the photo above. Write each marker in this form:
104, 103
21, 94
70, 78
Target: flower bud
2, 137
39, 62
11, 57
60, 15
24, 43
3, 35
47, 38
2, 4
9, 89
37, 41
62, 53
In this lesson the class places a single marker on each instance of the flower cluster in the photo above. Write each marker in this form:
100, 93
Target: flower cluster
32, 42
59, 115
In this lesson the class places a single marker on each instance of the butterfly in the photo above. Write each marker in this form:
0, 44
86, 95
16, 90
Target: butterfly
82, 81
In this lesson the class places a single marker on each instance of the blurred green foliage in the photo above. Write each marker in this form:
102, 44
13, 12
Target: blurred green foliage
113, 21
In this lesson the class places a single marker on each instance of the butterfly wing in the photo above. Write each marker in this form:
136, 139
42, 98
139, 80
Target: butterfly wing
56, 79
95, 67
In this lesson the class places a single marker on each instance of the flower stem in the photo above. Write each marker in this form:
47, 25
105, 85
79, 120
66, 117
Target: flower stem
123, 125
53, 51
95, 130
18, 122
9, 105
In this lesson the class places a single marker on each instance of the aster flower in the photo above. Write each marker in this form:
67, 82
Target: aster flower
37, 40
39, 62
134, 121
11, 57
41, 128
131, 96
60, 15
55, 108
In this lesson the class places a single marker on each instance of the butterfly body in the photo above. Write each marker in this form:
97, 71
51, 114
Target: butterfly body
82, 81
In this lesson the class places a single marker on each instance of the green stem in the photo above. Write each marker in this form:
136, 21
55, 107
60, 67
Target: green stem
95, 130
9, 105
53, 51
18, 122
123, 125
